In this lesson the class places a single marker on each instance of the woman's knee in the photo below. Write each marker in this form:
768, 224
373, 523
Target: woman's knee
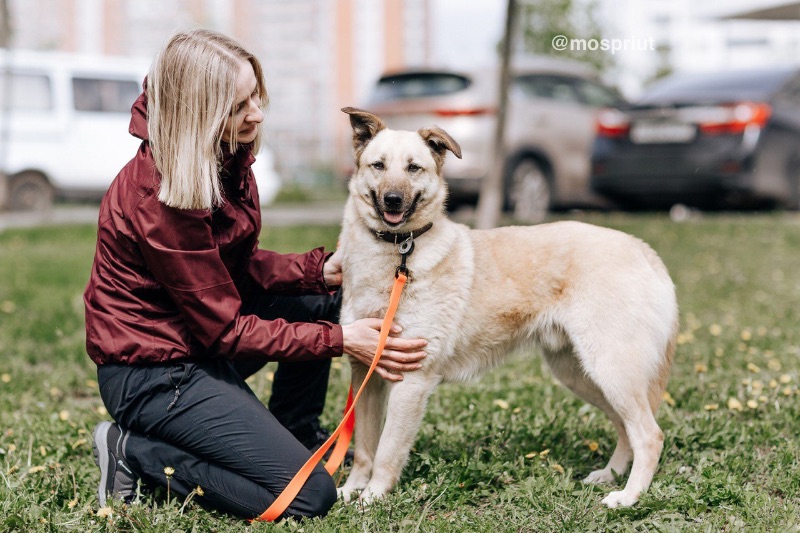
317, 496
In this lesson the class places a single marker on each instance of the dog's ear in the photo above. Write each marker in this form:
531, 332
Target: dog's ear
365, 127
439, 141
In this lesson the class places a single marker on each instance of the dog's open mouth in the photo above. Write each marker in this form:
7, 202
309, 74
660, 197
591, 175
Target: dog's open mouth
393, 216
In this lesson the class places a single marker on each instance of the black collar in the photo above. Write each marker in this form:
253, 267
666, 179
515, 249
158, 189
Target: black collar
397, 238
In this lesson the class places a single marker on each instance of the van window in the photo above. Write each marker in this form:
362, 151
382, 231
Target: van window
26, 92
104, 95
549, 87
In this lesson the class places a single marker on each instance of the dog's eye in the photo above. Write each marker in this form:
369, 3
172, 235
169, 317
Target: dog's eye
414, 168
378, 165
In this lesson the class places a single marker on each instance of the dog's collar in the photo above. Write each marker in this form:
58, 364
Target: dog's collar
397, 238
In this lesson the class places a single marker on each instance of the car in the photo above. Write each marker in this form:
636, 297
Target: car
64, 127
549, 131
723, 139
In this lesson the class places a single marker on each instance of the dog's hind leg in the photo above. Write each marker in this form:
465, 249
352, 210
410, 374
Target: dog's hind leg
566, 368
370, 411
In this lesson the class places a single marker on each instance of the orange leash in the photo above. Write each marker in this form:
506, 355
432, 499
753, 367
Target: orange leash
344, 432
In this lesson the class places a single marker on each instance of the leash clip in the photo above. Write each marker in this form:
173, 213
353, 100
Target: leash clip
405, 248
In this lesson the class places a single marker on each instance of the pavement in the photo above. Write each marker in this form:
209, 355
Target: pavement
273, 215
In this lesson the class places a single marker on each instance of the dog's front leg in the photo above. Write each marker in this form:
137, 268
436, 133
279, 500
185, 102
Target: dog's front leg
369, 420
406, 407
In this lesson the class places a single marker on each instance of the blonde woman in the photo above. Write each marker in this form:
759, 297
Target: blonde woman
182, 305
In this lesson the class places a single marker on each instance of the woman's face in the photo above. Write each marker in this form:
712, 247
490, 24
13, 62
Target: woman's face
247, 113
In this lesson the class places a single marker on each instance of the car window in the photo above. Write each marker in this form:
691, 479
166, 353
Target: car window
26, 92
596, 95
104, 95
418, 85
549, 87
734, 85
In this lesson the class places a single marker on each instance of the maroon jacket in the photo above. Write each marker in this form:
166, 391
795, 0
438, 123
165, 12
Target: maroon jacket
168, 284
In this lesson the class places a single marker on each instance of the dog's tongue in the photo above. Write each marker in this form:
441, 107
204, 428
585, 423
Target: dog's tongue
393, 218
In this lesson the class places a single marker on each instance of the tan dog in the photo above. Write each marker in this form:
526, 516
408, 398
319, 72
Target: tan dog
599, 304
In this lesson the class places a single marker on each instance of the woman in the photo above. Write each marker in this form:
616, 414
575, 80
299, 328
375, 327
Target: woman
182, 306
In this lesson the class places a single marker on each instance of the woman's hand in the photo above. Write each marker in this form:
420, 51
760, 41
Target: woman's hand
332, 270
399, 355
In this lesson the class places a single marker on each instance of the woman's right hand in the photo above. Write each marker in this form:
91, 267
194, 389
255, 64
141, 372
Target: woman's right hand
399, 355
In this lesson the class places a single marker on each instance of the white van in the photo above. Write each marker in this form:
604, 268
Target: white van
64, 127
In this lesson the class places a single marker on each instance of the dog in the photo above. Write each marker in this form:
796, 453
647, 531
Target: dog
599, 304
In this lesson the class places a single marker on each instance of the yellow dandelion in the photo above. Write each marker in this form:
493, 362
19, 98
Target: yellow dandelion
92, 384
711, 406
763, 399
746, 334
773, 384
199, 491
63, 415
517, 410
8, 307
752, 404
531, 455
72, 503
787, 391
79, 442
774, 364
5, 378
270, 376
785, 378
35, 469
715, 330
753, 368
43, 451
12, 448
558, 468
543, 453
55, 392
734, 404
593, 446
169, 471
667, 398
700, 368
758, 384
502, 404
762, 330
105, 512
719, 352
101, 410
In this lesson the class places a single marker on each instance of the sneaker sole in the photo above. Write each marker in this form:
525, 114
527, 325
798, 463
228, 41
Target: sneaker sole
100, 442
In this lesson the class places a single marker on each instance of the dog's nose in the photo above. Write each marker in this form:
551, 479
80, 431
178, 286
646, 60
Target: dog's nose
393, 200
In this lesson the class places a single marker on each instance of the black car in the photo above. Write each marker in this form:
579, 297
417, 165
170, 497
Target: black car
711, 140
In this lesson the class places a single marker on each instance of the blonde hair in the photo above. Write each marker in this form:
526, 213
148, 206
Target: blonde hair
191, 92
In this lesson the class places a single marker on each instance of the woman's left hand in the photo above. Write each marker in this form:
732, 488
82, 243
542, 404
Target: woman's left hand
332, 270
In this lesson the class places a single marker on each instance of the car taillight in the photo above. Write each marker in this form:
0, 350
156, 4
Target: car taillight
612, 123
464, 112
733, 119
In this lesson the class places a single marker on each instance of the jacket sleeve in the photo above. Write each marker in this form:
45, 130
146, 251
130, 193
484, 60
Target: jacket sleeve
179, 249
288, 273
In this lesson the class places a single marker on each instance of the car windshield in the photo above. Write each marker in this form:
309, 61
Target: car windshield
728, 86
418, 85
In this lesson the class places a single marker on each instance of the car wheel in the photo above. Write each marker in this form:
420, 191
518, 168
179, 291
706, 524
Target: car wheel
529, 191
30, 191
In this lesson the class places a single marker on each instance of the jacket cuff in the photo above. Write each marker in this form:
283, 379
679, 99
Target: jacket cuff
314, 281
332, 339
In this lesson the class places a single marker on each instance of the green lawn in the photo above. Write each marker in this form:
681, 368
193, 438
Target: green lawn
504, 454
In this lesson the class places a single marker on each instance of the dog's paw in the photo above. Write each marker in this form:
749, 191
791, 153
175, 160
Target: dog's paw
346, 494
620, 498
370, 495
600, 476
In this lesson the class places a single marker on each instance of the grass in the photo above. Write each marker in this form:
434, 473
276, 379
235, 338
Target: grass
504, 454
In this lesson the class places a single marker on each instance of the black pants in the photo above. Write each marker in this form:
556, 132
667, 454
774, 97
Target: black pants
202, 420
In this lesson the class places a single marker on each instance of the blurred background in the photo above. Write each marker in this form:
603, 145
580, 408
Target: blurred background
72, 67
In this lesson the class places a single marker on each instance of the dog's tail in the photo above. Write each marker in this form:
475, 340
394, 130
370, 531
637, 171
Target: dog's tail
659, 384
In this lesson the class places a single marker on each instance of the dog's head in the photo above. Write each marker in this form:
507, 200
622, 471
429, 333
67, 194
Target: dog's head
398, 181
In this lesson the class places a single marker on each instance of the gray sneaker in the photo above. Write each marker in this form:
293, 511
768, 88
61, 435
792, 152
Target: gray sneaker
116, 478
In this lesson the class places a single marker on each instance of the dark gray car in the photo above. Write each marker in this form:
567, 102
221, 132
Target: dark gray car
708, 140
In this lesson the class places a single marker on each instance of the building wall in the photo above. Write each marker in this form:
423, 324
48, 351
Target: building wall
318, 55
